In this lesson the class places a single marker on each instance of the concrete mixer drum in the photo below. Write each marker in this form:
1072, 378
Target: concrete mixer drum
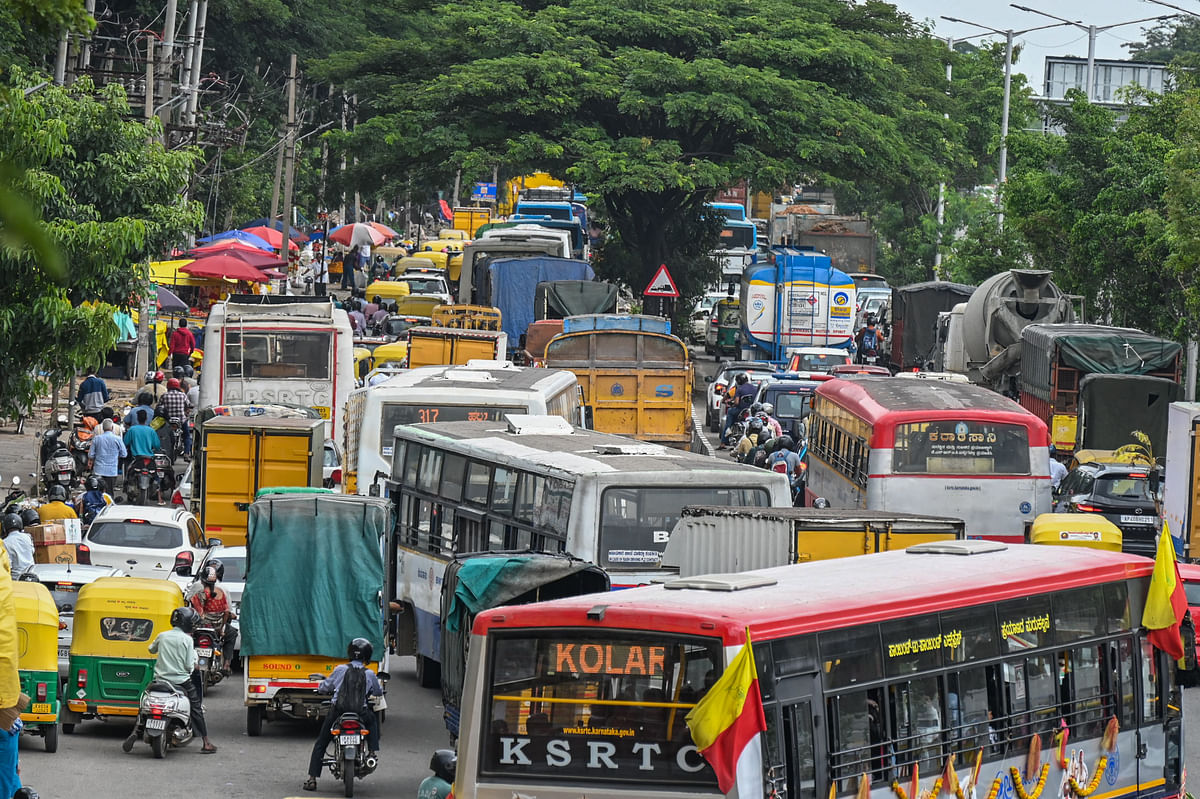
1003, 306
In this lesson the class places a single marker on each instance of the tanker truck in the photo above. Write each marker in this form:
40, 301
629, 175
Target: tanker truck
800, 300
981, 337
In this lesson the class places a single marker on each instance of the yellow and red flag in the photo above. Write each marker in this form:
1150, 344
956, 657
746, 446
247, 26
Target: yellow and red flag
1165, 600
727, 726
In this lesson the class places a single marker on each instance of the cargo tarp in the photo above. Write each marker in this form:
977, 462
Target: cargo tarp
914, 312
562, 298
514, 282
1090, 349
1113, 406
314, 574
478, 582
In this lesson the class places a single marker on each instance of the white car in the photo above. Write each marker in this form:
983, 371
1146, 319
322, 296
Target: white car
331, 468
64, 581
816, 359
428, 285
144, 541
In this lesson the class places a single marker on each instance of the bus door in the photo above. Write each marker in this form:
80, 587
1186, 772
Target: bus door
803, 738
1154, 716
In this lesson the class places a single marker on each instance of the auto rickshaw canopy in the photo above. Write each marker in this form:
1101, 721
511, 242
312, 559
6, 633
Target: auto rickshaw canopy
1076, 530
120, 616
37, 626
388, 290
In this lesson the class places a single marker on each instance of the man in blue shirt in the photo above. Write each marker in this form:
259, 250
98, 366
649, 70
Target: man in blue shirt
359, 653
92, 394
145, 402
105, 455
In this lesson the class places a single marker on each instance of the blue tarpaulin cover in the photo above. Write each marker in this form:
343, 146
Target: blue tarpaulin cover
314, 574
514, 284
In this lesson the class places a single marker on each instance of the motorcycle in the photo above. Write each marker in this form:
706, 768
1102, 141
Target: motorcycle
80, 445
58, 465
208, 654
349, 757
164, 719
146, 474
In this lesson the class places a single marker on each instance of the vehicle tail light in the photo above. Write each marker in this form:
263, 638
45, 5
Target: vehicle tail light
177, 498
41, 692
719, 387
1087, 508
336, 476
83, 555
62, 625
349, 726
258, 689
1138, 474
81, 678
204, 640
183, 559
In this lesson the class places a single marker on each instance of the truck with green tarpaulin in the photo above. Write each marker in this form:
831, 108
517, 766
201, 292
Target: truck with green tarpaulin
1090, 381
314, 582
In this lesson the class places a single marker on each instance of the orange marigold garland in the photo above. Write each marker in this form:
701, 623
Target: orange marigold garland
1081, 792
995, 789
1019, 784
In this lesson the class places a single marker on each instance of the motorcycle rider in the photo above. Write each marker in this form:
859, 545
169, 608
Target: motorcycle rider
767, 413
92, 393
175, 664
154, 386
443, 764
145, 402
739, 397
17, 542
57, 508
212, 603
175, 408
753, 438
867, 340
94, 499
358, 653
786, 461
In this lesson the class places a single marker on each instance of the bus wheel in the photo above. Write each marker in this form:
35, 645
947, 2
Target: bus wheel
429, 672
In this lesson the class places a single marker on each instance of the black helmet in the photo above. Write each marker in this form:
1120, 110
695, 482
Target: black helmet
755, 409
359, 649
185, 618
786, 442
177, 373
30, 517
93, 483
213, 570
755, 426
444, 763
57, 493
742, 378
188, 371
10, 522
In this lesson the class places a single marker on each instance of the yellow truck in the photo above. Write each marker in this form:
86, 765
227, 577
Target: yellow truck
445, 346
636, 376
241, 455
710, 539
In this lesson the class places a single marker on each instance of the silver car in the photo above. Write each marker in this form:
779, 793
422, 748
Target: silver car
64, 581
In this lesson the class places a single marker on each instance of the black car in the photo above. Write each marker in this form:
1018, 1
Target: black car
1119, 492
792, 400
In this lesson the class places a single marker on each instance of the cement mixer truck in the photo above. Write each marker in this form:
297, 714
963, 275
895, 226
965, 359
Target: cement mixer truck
981, 337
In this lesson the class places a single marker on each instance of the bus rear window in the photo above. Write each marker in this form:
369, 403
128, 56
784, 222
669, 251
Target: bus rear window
600, 706
961, 447
277, 355
635, 523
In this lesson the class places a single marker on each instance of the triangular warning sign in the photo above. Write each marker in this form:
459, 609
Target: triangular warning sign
661, 285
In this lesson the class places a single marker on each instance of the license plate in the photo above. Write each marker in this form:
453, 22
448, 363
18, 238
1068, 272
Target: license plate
64, 651
40, 707
322, 411
1137, 519
156, 724
204, 651
348, 740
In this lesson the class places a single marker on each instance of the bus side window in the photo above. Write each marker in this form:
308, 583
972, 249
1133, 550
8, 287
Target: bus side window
1151, 673
967, 711
857, 737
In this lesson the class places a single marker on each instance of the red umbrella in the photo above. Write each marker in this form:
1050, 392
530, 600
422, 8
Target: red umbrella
224, 266
261, 260
357, 233
385, 230
271, 236
226, 247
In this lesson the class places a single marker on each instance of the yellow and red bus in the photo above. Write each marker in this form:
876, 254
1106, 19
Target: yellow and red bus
950, 449
874, 671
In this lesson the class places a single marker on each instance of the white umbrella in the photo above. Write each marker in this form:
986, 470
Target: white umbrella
357, 234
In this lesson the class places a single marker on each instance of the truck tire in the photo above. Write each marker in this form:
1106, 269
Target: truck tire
429, 672
254, 720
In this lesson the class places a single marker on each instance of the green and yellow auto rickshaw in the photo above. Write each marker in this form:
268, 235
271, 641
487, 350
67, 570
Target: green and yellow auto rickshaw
37, 659
116, 618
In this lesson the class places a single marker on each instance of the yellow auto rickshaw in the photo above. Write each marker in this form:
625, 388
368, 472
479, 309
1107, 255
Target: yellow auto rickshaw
387, 290
395, 353
417, 305
1074, 530
116, 618
363, 362
1122, 455
37, 658
416, 264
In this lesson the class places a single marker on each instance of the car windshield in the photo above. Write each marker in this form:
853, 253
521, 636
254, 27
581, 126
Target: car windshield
1123, 487
426, 286
790, 405
134, 533
819, 362
65, 594
331, 457
235, 568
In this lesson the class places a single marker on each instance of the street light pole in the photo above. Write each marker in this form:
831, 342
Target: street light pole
1092, 30
1008, 51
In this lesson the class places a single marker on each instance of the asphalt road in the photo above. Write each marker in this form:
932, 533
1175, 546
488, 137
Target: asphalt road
90, 763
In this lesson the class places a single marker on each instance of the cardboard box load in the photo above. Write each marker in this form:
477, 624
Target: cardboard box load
54, 553
47, 534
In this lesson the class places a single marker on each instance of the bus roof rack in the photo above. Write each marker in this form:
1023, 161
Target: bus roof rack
532, 424
721, 582
965, 547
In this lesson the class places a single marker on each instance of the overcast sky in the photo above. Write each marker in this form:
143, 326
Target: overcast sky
1061, 41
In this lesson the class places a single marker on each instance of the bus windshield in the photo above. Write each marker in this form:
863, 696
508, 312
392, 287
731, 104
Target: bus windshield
961, 447
735, 236
635, 523
580, 704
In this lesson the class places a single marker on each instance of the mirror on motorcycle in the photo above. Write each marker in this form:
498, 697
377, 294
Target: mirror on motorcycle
16, 481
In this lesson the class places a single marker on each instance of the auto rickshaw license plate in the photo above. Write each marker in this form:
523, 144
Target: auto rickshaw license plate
348, 740
64, 651
156, 724
40, 707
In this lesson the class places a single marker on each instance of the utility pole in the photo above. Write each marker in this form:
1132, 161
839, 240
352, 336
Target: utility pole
357, 194
342, 174
168, 54
289, 163
278, 175
189, 58
1092, 30
197, 60
1008, 53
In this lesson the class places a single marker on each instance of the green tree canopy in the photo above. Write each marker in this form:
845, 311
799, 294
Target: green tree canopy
652, 105
109, 196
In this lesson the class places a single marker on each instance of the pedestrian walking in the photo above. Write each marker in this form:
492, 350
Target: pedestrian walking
105, 455
349, 265
182, 345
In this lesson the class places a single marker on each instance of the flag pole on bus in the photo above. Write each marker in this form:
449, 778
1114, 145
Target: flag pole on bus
728, 723
1165, 600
